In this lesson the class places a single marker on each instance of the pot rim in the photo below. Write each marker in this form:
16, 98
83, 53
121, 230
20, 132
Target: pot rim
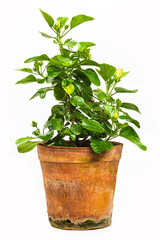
115, 145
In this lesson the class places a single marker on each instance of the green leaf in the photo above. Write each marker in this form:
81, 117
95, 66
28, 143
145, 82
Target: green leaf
100, 94
35, 95
57, 124
130, 106
71, 43
79, 115
86, 93
76, 129
107, 126
78, 86
89, 63
79, 19
73, 137
65, 52
77, 101
67, 132
84, 45
129, 119
111, 100
26, 146
57, 109
44, 137
24, 139
40, 80
124, 90
48, 18
42, 57
67, 40
49, 79
111, 111
54, 61
29, 70
34, 124
125, 74
45, 35
42, 92
59, 93
128, 131
28, 79
130, 134
92, 75
98, 145
80, 75
118, 103
62, 21
65, 61
36, 65
106, 71
69, 89
65, 82
53, 70
95, 106
92, 125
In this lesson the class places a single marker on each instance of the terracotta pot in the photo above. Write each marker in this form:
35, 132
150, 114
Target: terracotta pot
79, 185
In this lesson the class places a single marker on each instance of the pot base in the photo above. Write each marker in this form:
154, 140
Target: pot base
85, 225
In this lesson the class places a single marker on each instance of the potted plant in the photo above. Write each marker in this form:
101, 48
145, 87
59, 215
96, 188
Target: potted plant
79, 161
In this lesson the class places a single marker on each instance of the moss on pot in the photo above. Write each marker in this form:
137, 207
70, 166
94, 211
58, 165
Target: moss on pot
85, 225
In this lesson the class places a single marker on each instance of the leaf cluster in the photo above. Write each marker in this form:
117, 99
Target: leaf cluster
82, 115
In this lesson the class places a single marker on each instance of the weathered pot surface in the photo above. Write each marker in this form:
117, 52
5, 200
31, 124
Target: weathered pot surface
79, 185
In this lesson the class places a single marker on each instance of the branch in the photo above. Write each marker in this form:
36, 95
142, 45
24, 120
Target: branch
72, 120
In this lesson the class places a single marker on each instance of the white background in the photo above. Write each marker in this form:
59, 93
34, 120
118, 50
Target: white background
127, 35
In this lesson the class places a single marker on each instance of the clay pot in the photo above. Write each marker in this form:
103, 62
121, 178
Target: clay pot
79, 185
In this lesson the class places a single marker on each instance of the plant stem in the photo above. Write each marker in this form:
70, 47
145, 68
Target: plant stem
112, 128
65, 33
112, 88
106, 88
72, 120
54, 30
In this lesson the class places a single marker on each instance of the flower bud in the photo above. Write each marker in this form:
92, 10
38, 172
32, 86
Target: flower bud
88, 56
57, 25
34, 124
115, 115
66, 27
119, 72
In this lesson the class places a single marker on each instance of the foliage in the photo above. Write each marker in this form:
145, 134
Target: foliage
82, 114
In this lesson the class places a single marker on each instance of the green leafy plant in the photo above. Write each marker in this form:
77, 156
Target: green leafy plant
82, 116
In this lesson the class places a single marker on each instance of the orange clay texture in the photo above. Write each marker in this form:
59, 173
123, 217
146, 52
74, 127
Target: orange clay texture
79, 185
